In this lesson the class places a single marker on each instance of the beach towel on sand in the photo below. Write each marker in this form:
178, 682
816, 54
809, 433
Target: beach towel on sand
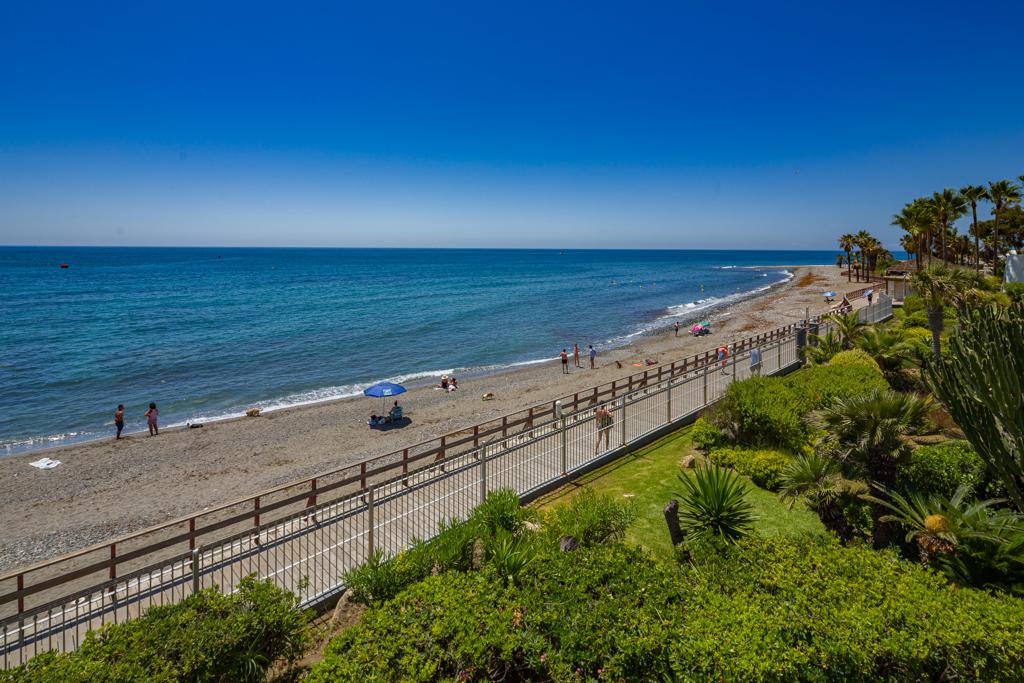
45, 463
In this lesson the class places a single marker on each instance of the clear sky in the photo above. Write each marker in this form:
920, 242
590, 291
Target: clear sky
679, 125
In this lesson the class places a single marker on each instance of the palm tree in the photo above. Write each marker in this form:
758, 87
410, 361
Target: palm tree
862, 239
818, 481
1002, 193
949, 205
974, 194
823, 347
909, 244
909, 219
937, 286
871, 430
846, 244
849, 326
887, 348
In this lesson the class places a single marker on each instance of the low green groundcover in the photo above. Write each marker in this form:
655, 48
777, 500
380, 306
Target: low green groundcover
764, 466
775, 609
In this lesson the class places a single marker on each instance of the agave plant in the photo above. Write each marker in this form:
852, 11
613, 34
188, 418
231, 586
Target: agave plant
713, 504
823, 347
819, 482
509, 555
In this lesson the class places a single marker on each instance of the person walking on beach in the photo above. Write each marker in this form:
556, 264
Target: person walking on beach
593, 355
755, 360
675, 327
605, 422
564, 355
576, 355
723, 355
151, 419
119, 419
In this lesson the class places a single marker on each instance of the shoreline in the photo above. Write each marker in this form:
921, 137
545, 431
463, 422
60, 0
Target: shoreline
106, 488
419, 379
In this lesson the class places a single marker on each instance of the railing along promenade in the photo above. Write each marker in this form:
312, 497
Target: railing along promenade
305, 535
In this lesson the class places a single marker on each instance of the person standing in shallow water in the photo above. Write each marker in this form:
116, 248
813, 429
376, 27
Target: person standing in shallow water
119, 419
564, 355
151, 415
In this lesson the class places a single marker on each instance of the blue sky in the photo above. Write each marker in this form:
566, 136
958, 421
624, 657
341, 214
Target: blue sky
758, 125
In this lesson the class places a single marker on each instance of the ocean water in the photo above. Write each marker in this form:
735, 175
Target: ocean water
207, 333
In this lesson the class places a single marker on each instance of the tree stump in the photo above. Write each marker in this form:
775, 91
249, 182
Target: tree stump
672, 520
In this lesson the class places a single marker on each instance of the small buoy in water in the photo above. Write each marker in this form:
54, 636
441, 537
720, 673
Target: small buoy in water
64, 265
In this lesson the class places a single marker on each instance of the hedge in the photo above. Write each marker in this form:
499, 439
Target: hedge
941, 468
206, 637
854, 357
763, 466
776, 609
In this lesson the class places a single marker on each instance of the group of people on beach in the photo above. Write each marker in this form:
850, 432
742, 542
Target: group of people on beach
394, 416
449, 384
564, 357
150, 415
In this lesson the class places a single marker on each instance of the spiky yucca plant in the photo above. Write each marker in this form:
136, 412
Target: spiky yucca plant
713, 504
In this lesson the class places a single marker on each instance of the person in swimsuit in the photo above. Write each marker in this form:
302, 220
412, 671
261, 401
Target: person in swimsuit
564, 355
605, 421
576, 355
593, 355
119, 420
675, 326
151, 419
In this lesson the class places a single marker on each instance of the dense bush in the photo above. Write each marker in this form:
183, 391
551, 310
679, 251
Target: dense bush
705, 435
913, 304
775, 609
764, 467
1014, 290
207, 637
854, 357
590, 517
769, 411
941, 468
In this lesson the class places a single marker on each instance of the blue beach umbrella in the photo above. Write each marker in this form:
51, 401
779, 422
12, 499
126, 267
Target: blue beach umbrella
383, 390
830, 294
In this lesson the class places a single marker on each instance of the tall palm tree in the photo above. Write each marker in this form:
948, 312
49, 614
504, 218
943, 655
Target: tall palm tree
974, 194
862, 239
846, 244
870, 430
909, 244
1002, 193
937, 286
949, 206
909, 220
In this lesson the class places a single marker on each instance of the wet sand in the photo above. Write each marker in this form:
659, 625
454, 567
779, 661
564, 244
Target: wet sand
107, 488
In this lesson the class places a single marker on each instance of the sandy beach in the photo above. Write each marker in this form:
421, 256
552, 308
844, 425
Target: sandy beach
107, 488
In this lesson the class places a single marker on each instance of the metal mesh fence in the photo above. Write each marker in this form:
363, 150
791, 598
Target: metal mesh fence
309, 552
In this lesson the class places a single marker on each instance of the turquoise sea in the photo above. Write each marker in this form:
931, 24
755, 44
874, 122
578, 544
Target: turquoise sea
206, 333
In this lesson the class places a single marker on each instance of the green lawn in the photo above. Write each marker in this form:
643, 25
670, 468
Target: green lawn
649, 477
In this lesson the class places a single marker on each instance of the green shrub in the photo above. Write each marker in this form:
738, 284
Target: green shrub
769, 411
713, 505
814, 388
761, 411
590, 517
705, 435
501, 510
1014, 290
776, 609
913, 304
941, 468
206, 637
854, 357
763, 466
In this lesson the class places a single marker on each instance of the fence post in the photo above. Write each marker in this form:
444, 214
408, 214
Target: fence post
669, 399
624, 419
195, 570
483, 474
778, 350
705, 401
369, 522
564, 449
735, 352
